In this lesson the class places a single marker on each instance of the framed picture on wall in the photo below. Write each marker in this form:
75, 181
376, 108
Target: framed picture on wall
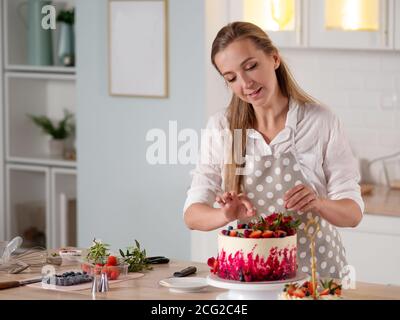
138, 48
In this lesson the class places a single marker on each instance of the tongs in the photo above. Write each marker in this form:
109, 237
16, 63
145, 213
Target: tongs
157, 260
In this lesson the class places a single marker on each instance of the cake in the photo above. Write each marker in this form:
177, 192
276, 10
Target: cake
326, 290
264, 250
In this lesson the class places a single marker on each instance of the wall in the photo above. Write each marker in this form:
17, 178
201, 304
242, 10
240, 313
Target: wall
121, 196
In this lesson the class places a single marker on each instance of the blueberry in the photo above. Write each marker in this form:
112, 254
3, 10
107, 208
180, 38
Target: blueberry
230, 227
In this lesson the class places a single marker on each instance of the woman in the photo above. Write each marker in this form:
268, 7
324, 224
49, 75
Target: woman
296, 155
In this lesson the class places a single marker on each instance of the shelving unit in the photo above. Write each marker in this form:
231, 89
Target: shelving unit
40, 189
16, 36
37, 94
27, 205
63, 206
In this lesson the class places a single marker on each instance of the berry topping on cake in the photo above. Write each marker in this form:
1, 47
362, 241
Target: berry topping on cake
276, 225
326, 290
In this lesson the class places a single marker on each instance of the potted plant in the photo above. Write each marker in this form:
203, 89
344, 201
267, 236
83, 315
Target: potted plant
58, 132
66, 54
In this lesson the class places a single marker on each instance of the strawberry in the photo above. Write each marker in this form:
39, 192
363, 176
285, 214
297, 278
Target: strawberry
310, 287
338, 291
211, 261
112, 261
325, 292
299, 293
85, 268
255, 234
267, 234
233, 233
290, 289
107, 269
114, 274
97, 268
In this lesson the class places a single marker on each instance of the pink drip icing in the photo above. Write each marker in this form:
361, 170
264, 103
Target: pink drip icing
280, 264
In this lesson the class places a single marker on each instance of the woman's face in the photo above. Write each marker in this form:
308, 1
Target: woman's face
249, 72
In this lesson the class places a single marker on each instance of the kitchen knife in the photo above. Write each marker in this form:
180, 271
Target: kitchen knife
185, 272
157, 260
14, 284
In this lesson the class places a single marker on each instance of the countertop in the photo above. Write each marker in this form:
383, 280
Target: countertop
382, 201
147, 288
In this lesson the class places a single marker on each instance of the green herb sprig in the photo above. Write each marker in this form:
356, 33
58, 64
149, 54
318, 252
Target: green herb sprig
136, 258
98, 252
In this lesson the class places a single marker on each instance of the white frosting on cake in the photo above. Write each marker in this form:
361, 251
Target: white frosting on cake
260, 246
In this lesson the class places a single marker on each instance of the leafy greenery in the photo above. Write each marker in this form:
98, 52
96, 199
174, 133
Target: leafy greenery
98, 252
66, 16
136, 258
62, 130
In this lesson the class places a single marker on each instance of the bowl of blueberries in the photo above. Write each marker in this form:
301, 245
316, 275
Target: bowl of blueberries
69, 278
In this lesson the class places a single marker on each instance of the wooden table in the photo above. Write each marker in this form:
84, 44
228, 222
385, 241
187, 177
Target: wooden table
147, 288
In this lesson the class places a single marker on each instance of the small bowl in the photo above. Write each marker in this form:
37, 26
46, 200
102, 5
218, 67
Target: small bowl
113, 272
70, 254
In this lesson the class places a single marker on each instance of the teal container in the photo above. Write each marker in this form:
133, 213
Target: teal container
66, 44
40, 43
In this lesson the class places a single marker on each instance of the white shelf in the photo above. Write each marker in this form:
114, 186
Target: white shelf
43, 161
40, 75
43, 69
38, 94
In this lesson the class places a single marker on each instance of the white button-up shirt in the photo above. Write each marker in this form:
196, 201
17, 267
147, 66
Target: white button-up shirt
323, 151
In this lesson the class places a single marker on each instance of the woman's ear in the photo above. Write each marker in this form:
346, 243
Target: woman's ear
277, 60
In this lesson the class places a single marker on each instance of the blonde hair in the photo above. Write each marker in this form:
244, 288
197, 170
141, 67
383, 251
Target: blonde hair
241, 114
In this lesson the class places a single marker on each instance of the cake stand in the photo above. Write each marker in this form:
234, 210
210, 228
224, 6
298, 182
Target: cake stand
264, 290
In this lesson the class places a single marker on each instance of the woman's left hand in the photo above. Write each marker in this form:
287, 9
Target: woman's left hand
301, 198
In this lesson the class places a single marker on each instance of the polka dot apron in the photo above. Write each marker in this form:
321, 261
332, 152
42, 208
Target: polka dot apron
266, 180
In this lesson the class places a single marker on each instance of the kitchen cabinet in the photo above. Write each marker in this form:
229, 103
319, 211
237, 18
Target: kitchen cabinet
373, 249
397, 25
41, 205
27, 205
339, 24
40, 189
350, 24
283, 20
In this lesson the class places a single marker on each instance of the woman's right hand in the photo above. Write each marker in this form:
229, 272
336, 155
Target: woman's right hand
236, 206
